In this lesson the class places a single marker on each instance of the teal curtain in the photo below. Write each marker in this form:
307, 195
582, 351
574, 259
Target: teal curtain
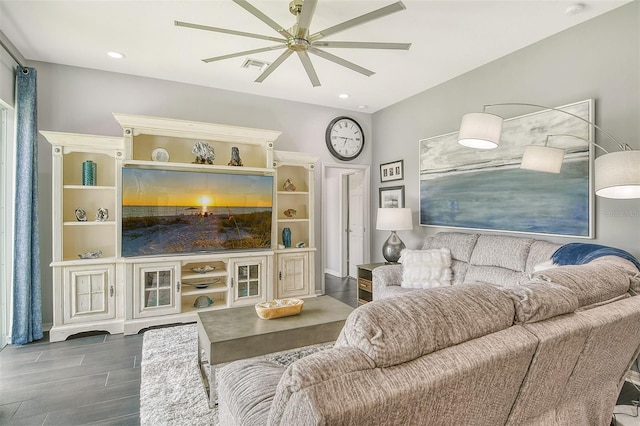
27, 311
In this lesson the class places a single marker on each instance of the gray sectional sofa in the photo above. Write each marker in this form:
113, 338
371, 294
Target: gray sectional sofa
507, 346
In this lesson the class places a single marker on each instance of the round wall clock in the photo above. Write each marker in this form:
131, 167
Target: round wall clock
344, 137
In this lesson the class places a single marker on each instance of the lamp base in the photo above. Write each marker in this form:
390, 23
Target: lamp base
392, 247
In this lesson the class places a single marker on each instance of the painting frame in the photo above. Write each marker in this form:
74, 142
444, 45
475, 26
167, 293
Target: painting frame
392, 171
486, 190
391, 197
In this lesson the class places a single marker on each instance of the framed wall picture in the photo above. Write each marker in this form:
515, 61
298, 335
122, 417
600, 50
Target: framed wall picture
469, 188
392, 171
392, 197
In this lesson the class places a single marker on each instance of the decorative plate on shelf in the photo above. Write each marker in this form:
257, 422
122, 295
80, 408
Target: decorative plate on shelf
203, 302
160, 154
203, 269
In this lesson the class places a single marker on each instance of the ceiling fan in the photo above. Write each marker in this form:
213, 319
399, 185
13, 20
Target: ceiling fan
298, 38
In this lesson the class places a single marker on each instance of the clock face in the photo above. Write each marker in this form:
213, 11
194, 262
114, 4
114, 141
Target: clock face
345, 139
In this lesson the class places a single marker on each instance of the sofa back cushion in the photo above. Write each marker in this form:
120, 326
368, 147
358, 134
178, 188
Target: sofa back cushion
503, 252
597, 282
399, 329
460, 244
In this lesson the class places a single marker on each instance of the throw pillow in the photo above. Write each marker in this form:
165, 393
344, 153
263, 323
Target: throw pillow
426, 268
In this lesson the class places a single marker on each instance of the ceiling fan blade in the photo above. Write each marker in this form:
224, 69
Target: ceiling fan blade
308, 67
246, 52
261, 16
340, 61
224, 30
362, 45
304, 19
275, 64
379, 13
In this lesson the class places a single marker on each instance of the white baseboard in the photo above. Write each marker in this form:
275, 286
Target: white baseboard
332, 272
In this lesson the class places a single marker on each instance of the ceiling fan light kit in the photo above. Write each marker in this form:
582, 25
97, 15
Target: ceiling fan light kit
298, 38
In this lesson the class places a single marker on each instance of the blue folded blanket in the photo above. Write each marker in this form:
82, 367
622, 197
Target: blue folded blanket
581, 253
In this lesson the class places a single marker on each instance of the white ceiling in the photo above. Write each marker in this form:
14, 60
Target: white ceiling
448, 38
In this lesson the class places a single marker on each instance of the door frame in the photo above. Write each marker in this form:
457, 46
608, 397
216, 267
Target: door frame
328, 200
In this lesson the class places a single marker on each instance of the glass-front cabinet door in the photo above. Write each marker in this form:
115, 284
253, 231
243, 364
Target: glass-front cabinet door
157, 289
248, 280
89, 293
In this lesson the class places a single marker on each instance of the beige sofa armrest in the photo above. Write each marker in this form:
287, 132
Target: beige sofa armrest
384, 277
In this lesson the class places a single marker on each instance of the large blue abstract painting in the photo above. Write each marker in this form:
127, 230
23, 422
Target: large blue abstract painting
462, 187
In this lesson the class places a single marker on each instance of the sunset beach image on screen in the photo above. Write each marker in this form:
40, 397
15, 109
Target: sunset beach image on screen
181, 212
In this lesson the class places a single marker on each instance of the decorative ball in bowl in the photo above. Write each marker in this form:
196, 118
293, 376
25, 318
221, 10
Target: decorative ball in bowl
279, 308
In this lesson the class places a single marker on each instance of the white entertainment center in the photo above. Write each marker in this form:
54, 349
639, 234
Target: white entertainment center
96, 288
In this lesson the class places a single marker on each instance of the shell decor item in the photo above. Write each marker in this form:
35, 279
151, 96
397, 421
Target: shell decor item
290, 213
300, 244
288, 185
203, 302
81, 215
204, 153
203, 269
91, 255
102, 215
235, 157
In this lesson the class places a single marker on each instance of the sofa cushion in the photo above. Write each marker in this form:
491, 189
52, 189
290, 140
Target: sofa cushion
246, 390
593, 283
425, 268
493, 275
395, 330
540, 300
460, 244
539, 253
504, 252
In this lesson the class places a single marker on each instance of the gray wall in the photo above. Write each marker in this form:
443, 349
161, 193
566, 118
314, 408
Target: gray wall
80, 100
598, 59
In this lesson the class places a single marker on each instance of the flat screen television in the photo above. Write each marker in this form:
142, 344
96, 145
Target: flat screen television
168, 212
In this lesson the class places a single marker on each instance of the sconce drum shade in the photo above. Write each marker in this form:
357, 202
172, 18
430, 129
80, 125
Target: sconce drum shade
480, 130
617, 175
542, 159
394, 219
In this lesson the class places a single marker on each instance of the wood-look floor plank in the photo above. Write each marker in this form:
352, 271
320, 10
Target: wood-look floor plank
40, 367
61, 398
87, 414
39, 390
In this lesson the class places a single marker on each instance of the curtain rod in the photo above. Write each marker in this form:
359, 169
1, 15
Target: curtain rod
14, 57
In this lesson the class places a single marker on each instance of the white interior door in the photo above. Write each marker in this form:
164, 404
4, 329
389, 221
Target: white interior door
356, 228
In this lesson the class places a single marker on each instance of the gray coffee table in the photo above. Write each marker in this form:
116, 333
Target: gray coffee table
238, 333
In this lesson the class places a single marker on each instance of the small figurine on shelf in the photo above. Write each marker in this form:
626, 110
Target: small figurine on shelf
81, 215
102, 214
300, 244
290, 213
235, 157
288, 185
204, 153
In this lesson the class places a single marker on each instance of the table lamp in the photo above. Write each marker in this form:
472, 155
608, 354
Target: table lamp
393, 219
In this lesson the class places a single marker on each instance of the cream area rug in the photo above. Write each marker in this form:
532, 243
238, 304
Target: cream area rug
171, 389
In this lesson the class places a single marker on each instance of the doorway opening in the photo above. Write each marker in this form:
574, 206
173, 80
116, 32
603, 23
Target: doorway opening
345, 219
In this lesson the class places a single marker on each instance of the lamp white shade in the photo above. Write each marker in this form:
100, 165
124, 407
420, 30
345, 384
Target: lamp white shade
542, 159
480, 130
617, 175
390, 219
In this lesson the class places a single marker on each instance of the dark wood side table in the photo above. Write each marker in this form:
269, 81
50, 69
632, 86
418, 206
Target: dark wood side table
365, 282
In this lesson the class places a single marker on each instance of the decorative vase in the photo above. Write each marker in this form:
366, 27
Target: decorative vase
89, 173
286, 237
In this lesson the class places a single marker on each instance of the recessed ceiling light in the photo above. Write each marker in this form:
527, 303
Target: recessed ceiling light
343, 96
362, 107
115, 55
574, 9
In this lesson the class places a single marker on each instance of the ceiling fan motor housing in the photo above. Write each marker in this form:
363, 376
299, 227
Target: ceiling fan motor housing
295, 7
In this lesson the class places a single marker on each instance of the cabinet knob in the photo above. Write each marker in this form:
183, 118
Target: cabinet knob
280, 275
111, 291
178, 286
